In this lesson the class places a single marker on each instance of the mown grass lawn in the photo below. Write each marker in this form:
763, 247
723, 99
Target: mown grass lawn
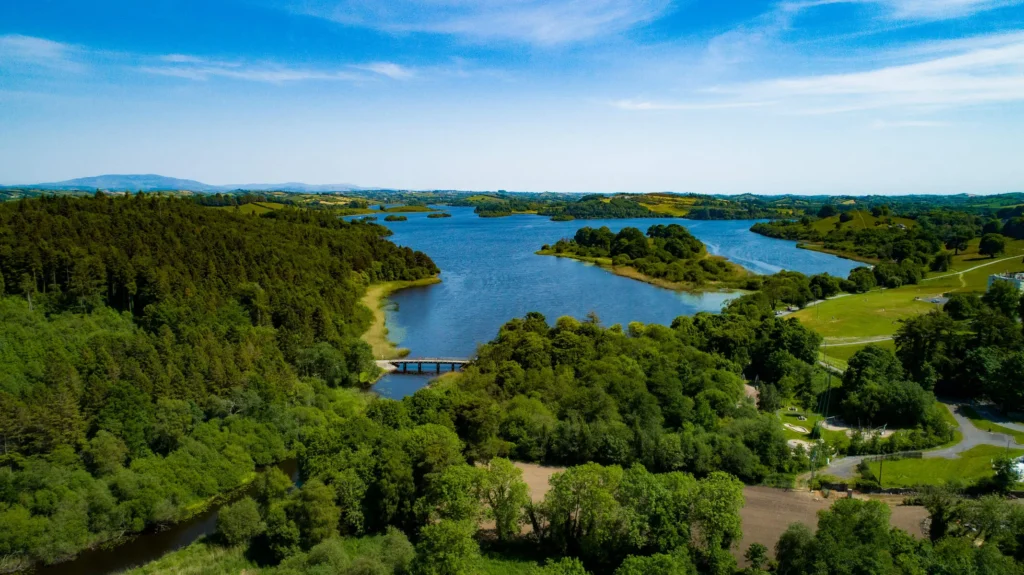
839, 355
873, 314
878, 312
812, 419
973, 464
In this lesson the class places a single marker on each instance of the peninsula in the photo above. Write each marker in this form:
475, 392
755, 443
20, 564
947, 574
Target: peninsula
667, 256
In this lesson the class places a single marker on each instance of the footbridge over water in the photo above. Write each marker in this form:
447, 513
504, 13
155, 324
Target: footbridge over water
433, 364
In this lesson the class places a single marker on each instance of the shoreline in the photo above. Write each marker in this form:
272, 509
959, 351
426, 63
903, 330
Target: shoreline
375, 298
632, 273
823, 250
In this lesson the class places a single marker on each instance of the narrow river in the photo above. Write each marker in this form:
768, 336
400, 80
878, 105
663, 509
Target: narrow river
153, 544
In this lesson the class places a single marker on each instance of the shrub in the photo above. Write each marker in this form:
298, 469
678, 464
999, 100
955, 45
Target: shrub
240, 521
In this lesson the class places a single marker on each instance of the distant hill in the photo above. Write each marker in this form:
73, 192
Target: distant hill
154, 182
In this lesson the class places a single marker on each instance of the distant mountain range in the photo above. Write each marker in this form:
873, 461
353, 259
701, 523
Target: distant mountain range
153, 182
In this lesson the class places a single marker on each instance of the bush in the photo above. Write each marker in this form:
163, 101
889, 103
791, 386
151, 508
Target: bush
446, 548
396, 551
240, 521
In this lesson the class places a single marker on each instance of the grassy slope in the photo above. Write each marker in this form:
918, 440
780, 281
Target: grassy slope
666, 204
973, 464
861, 220
256, 207
377, 335
877, 313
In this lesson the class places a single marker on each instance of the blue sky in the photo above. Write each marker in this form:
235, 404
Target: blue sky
713, 96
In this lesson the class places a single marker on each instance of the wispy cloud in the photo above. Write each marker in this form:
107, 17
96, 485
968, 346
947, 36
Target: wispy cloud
977, 71
18, 50
27, 52
195, 68
979, 76
912, 10
540, 22
888, 124
389, 69
939, 9
645, 105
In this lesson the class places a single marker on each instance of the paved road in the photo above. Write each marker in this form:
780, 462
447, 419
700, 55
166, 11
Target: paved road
846, 467
992, 414
990, 262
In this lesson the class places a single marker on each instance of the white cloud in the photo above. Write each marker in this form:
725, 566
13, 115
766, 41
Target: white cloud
913, 10
389, 69
886, 124
195, 68
644, 105
541, 22
979, 76
985, 70
18, 50
939, 9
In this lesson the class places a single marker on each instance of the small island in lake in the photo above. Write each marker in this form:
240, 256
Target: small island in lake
394, 218
438, 215
668, 256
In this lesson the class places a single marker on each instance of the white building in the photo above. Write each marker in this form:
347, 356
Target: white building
1017, 279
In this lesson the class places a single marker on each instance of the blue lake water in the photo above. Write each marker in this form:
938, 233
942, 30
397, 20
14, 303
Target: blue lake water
490, 274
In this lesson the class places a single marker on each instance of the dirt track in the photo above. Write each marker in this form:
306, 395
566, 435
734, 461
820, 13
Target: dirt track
768, 511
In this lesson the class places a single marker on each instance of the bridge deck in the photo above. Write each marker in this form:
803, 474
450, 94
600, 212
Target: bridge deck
458, 360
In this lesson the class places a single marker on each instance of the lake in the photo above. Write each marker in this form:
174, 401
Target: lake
490, 274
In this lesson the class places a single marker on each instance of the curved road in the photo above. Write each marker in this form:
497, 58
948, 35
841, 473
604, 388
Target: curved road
846, 467
988, 263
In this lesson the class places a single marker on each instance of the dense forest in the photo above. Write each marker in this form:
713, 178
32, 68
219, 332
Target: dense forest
928, 240
154, 351
667, 252
972, 348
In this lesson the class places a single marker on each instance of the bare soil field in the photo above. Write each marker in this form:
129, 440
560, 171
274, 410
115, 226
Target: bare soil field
768, 511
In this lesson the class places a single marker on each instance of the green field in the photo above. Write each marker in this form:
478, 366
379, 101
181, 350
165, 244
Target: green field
973, 464
255, 207
668, 204
877, 313
861, 221
838, 355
